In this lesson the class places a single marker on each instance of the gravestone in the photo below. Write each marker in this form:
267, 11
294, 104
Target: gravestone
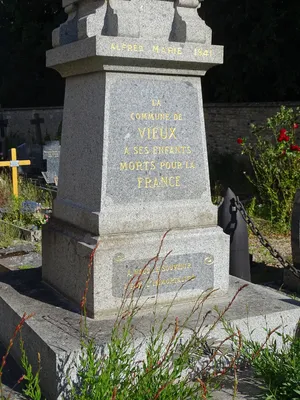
33, 153
36, 148
51, 153
24, 154
133, 155
37, 121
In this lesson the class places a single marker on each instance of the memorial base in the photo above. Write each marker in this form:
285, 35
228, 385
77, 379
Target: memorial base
189, 262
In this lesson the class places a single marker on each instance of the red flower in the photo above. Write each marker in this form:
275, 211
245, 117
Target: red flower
295, 126
283, 153
283, 136
294, 147
240, 140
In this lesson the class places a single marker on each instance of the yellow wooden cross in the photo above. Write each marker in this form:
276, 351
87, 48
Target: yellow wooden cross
14, 164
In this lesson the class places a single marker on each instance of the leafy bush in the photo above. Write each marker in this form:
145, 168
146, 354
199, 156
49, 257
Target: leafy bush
275, 159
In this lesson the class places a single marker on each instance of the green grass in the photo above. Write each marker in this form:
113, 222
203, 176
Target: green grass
13, 206
8, 235
26, 266
275, 362
27, 191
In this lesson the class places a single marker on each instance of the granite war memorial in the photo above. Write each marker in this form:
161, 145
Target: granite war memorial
133, 169
133, 156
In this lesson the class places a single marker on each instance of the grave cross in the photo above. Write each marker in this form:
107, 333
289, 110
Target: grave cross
37, 121
14, 164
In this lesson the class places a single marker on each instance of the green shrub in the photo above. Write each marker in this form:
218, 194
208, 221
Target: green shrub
275, 159
13, 205
278, 369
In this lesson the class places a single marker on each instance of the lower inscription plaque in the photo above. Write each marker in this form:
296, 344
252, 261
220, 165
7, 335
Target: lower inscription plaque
189, 271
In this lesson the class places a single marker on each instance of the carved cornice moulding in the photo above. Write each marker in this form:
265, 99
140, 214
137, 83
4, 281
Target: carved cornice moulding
172, 20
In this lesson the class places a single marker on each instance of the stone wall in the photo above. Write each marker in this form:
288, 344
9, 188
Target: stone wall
225, 122
19, 124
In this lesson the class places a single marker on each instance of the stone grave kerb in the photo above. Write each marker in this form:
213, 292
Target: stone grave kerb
133, 152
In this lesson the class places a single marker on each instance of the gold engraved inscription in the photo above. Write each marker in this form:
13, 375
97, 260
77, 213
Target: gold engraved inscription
158, 49
149, 116
158, 182
159, 270
155, 133
202, 53
162, 282
166, 50
127, 47
169, 134
171, 150
137, 166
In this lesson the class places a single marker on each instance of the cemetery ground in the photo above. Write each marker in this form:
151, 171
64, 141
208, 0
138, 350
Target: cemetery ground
237, 381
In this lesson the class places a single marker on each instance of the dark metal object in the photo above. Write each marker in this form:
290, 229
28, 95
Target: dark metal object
232, 222
264, 241
295, 231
